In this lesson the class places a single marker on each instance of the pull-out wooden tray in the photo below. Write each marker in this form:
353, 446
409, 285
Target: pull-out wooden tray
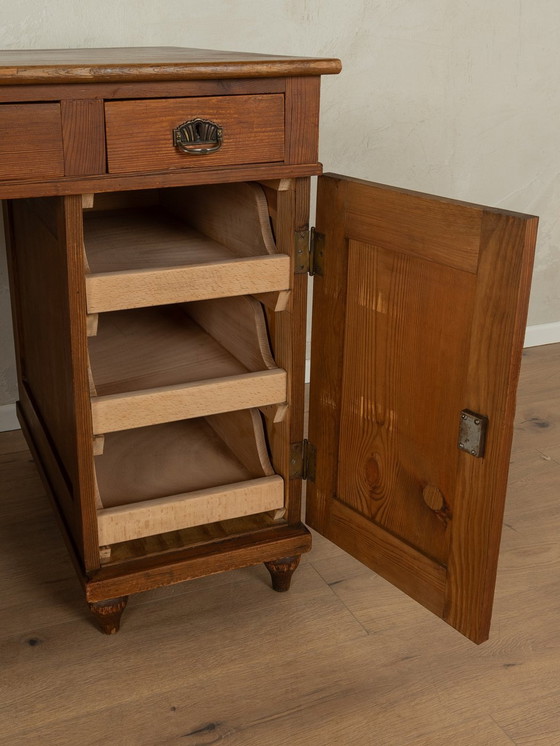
194, 243
168, 477
169, 363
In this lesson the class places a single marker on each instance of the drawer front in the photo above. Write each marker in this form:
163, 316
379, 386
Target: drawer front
30, 141
140, 133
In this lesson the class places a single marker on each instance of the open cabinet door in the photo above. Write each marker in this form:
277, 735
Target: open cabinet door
418, 325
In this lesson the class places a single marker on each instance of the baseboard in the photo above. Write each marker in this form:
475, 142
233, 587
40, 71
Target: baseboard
8, 418
542, 334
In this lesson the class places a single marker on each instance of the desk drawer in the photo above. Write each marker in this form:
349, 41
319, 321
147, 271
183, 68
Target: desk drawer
140, 133
30, 141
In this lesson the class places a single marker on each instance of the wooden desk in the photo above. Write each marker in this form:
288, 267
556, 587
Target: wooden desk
157, 219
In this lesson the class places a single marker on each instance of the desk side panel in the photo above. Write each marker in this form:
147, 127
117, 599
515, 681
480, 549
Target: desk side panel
48, 286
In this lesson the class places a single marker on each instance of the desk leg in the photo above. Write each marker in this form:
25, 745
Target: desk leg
108, 613
281, 572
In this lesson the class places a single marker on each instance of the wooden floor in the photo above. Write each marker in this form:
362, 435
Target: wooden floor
343, 659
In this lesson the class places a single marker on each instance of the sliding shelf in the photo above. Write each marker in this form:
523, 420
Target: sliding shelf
186, 244
152, 480
155, 365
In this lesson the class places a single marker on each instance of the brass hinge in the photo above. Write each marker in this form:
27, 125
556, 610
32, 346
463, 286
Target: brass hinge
303, 458
309, 252
316, 252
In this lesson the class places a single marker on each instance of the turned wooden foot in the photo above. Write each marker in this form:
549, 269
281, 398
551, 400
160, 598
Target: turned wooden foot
108, 613
281, 572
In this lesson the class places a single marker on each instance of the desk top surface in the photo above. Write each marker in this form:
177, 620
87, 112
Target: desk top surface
40, 66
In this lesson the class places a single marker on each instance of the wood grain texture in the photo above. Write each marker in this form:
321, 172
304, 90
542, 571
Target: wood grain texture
171, 458
412, 571
115, 412
281, 572
150, 63
195, 562
192, 455
289, 207
50, 468
400, 404
435, 229
253, 132
506, 263
33, 187
400, 371
49, 287
172, 541
139, 89
325, 393
150, 348
242, 432
277, 300
262, 117
180, 350
111, 291
302, 120
293, 326
239, 326
106, 201
149, 256
30, 141
71, 243
233, 215
151, 228
108, 614
196, 508
83, 134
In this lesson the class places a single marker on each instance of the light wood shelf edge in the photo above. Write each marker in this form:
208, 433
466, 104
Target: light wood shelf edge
112, 291
170, 403
127, 522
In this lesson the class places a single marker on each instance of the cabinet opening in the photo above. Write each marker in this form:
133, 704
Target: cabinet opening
182, 244
205, 534
168, 477
166, 363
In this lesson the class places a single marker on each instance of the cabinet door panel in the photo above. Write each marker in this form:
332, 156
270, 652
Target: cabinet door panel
419, 314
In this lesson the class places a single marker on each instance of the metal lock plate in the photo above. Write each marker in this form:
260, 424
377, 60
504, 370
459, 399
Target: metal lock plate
472, 433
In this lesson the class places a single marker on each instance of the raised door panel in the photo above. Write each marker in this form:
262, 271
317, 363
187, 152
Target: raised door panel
419, 315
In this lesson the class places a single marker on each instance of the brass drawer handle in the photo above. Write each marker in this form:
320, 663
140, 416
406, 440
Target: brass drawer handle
198, 137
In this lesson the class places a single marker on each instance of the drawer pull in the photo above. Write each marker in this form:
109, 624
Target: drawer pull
198, 137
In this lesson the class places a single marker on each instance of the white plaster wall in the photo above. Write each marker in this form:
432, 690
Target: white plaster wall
455, 98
